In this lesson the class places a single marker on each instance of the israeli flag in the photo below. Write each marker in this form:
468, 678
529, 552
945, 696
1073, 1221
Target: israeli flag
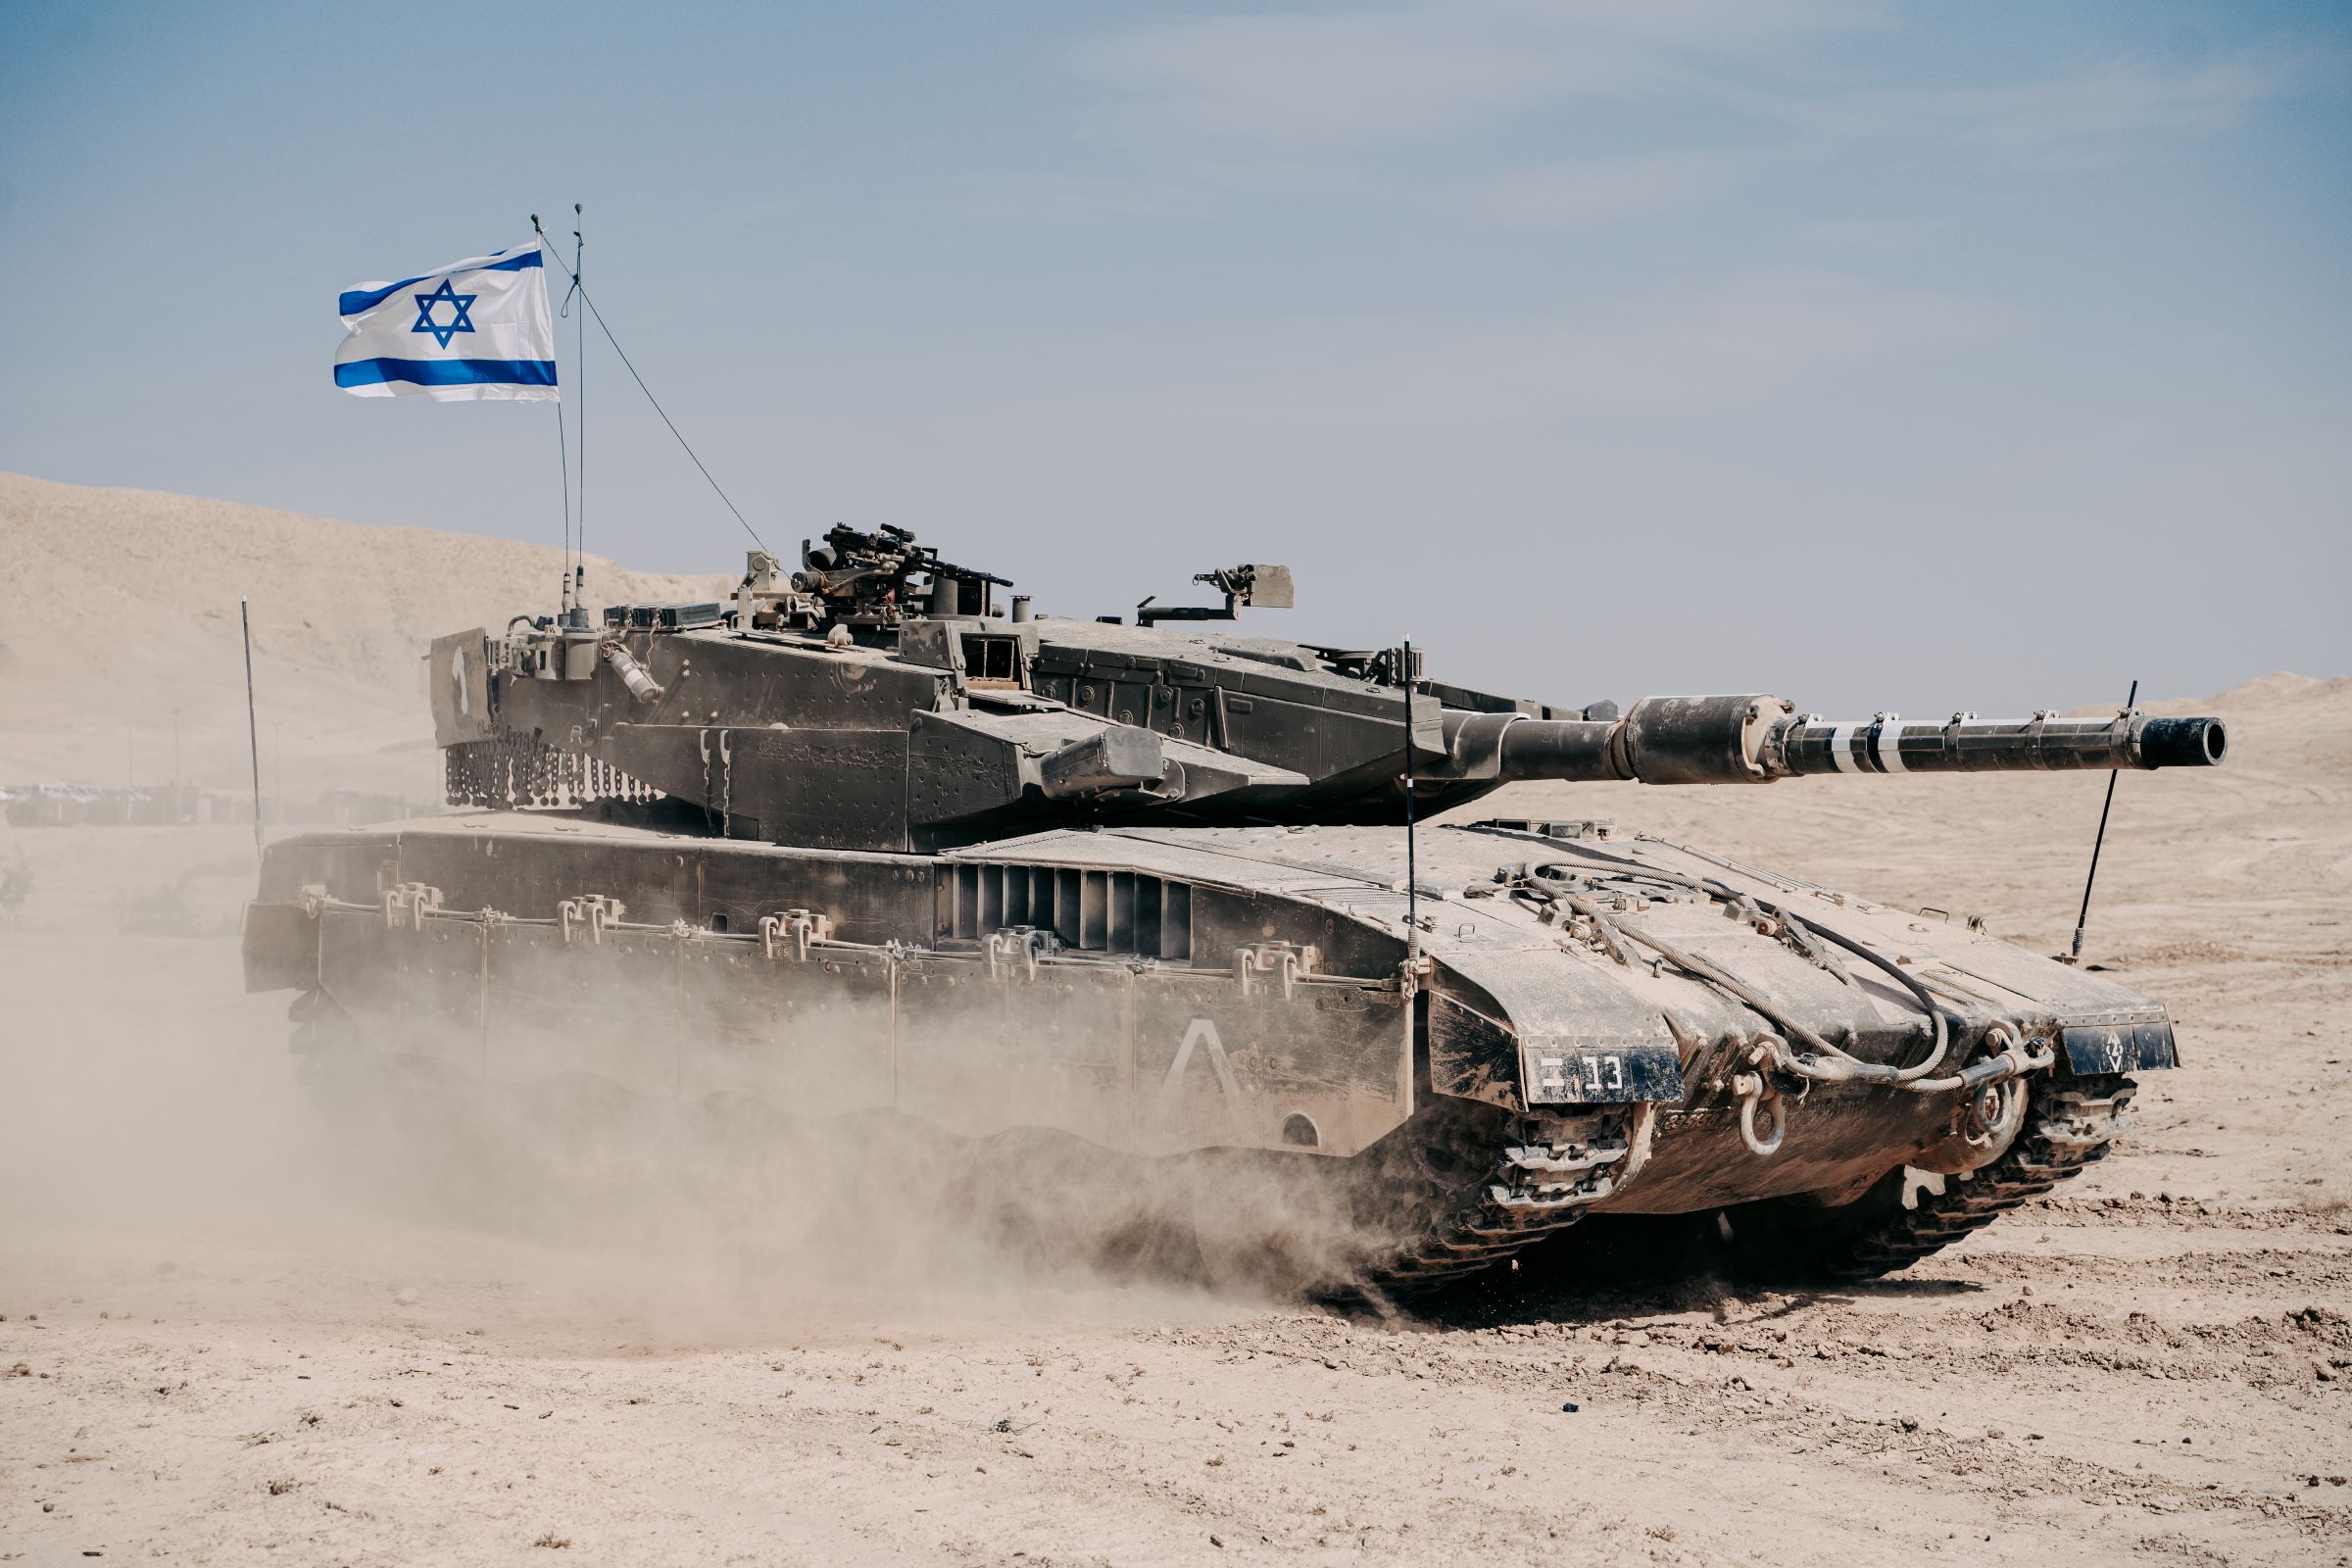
475, 328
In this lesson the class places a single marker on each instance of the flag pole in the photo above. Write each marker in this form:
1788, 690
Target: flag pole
564, 584
579, 376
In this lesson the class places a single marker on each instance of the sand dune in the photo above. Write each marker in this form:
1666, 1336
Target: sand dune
121, 606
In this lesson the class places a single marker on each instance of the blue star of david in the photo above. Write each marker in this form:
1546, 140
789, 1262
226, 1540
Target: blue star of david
459, 303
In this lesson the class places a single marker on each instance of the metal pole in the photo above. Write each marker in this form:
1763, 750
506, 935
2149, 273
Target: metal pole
562, 456
580, 376
1412, 868
253, 734
2082, 917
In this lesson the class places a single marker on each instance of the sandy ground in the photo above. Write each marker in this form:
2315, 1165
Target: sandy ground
228, 1341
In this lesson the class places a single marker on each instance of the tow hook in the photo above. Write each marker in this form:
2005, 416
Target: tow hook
1760, 1099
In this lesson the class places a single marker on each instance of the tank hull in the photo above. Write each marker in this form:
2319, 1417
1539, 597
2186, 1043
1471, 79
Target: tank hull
1162, 991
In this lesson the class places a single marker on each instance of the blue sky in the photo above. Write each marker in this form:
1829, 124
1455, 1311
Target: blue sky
1911, 357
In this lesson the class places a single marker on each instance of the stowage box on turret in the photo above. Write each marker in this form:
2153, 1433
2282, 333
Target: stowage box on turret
870, 837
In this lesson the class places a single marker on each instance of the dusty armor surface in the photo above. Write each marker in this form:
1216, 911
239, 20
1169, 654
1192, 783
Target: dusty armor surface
866, 839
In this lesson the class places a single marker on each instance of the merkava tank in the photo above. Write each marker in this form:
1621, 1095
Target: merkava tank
873, 837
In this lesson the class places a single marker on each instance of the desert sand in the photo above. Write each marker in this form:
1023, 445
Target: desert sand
228, 1337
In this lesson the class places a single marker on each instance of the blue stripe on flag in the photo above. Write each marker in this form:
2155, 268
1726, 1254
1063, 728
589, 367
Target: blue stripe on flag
354, 301
446, 373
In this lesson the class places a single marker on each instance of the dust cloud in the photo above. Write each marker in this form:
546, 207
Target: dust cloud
158, 1115
153, 1110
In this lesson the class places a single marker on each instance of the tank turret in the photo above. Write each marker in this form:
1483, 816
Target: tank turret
881, 698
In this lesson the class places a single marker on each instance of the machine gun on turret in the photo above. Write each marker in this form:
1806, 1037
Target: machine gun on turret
856, 578
1265, 587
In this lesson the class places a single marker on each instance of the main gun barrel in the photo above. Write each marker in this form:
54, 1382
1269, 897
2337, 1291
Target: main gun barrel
1754, 739
1892, 745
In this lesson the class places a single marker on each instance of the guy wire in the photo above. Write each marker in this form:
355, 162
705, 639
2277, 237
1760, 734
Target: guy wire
687, 447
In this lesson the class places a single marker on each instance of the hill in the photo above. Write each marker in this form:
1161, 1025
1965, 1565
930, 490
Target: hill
121, 610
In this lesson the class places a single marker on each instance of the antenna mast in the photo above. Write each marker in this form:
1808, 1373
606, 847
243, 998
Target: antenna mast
1412, 868
579, 376
253, 733
2082, 917
562, 464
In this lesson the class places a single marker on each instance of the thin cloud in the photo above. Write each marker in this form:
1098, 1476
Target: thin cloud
1589, 192
2089, 113
1326, 93
1072, 199
1682, 352
1871, 235
1368, 77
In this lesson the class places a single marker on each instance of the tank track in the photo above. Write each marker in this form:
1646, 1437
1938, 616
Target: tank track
1475, 1186
2070, 1124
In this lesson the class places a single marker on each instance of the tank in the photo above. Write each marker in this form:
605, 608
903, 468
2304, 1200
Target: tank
874, 837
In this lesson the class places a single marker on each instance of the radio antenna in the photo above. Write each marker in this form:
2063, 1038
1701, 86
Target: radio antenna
253, 730
1412, 868
579, 376
562, 456
2083, 917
